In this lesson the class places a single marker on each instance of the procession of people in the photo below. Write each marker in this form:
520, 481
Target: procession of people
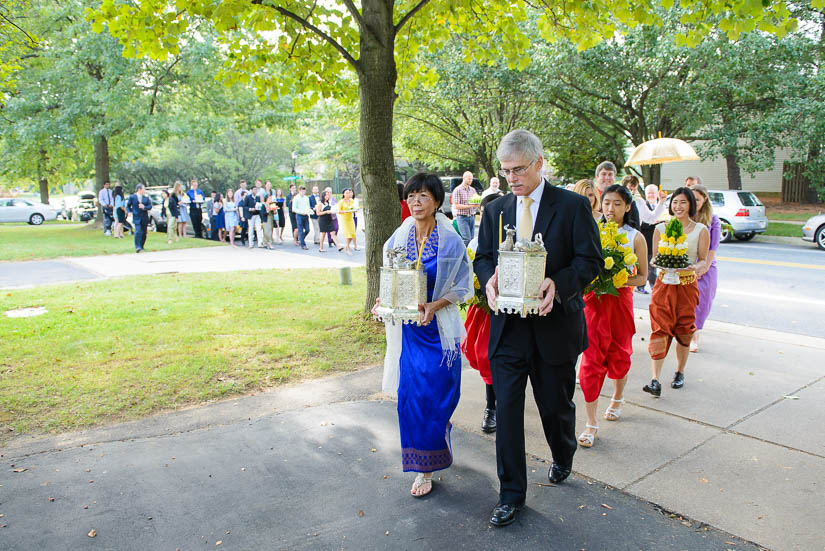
573, 322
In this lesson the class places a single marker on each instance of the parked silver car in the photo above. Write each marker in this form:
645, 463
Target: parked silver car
24, 210
814, 230
742, 210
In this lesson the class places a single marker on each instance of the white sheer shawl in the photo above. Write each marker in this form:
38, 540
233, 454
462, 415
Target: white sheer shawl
453, 282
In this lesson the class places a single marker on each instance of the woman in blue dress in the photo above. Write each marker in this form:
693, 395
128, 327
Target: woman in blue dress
230, 216
423, 361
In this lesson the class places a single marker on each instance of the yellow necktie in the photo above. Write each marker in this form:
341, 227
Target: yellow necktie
525, 227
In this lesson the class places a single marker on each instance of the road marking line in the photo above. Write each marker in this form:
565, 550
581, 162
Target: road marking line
771, 263
772, 298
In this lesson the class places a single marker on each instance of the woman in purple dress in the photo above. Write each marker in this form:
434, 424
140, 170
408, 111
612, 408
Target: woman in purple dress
707, 280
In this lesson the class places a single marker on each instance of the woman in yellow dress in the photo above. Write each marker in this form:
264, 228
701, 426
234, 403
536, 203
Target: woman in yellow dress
346, 222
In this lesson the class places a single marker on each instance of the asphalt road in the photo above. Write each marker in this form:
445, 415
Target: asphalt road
768, 285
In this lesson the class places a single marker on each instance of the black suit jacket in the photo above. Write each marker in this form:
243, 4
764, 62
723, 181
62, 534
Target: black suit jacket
248, 206
139, 216
312, 202
574, 258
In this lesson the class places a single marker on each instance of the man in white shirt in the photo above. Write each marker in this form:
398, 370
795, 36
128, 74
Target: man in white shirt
495, 184
650, 210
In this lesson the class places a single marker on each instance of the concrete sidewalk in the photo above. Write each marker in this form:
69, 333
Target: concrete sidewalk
740, 448
15, 275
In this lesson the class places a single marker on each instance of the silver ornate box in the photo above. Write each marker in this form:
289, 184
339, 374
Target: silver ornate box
521, 268
402, 288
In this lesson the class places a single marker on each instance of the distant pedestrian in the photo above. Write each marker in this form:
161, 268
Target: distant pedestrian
196, 200
605, 176
164, 210
267, 216
183, 208
279, 216
651, 209
140, 205
673, 307
707, 280
494, 189
463, 212
210, 212
231, 219
325, 215
107, 207
172, 214
250, 212
631, 182
332, 201
220, 218
293, 192
120, 212
346, 219
313, 218
356, 206
302, 210
585, 187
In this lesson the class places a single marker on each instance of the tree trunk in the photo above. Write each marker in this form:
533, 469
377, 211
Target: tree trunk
42, 179
376, 89
652, 174
101, 171
734, 173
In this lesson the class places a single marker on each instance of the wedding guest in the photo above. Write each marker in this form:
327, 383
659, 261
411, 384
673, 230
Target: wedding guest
231, 219
346, 217
543, 347
164, 208
219, 217
302, 210
631, 182
495, 184
107, 206
610, 323
707, 279
323, 208
209, 205
313, 218
293, 192
196, 200
332, 201
244, 222
183, 208
606, 177
250, 212
267, 215
651, 209
356, 206
172, 214
239, 193
585, 187
477, 342
140, 205
423, 362
405, 209
280, 217
464, 213
673, 307
120, 212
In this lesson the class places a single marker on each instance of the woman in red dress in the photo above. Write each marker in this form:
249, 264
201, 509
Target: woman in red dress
610, 325
476, 344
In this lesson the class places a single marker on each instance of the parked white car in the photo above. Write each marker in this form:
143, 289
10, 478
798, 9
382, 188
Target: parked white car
742, 210
814, 230
24, 210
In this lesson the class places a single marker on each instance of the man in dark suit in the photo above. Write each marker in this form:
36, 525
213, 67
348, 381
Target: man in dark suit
543, 347
140, 205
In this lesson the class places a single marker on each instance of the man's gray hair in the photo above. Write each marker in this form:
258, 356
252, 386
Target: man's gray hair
139, 187
605, 165
696, 179
520, 143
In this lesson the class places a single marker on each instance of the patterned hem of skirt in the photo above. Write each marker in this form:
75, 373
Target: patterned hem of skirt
424, 461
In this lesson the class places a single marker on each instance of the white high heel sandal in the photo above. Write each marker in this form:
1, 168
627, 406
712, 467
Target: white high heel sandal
586, 439
613, 414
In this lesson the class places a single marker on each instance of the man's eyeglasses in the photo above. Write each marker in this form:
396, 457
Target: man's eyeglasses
418, 198
518, 171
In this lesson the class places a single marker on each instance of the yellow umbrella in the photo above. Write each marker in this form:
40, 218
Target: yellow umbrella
662, 150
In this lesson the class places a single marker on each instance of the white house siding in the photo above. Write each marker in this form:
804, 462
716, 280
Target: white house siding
714, 174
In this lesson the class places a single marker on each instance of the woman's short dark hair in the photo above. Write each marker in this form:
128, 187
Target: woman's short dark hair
119, 191
400, 187
687, 192
425, 182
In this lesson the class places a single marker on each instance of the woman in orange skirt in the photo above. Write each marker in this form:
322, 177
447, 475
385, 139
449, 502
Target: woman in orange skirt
610, 325
673, 307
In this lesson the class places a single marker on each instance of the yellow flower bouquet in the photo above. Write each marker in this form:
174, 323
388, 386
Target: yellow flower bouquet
619, 261
479, 297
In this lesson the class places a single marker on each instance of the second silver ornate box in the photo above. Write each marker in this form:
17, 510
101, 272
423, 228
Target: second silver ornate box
521, 268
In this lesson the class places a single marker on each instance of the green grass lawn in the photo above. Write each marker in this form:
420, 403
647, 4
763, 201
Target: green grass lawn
790, 216
55, 239
125, 348
784, 230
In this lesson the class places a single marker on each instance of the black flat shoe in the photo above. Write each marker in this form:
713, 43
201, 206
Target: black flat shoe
488, 424
557, 474
678, 380
654, 388
505, 513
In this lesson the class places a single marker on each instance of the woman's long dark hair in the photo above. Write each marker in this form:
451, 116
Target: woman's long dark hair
627, 197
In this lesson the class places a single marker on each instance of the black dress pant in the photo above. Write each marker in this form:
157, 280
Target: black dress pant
516, 359
647, 232
196, 214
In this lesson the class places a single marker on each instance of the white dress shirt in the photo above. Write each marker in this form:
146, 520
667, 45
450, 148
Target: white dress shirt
648, 216
534, 206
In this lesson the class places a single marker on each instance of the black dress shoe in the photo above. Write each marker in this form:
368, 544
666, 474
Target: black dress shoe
488, 425
505, 513
654, 388
678, 380
557, 474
